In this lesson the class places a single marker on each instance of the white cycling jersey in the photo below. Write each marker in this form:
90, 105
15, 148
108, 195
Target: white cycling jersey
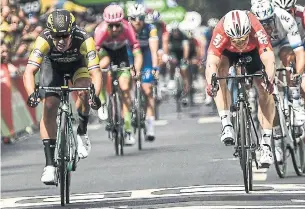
285, 30
300, 19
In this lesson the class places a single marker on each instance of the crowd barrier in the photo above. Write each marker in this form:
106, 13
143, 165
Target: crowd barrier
16, 117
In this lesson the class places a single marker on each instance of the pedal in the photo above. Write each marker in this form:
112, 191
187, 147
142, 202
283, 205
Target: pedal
108, 127
236, 154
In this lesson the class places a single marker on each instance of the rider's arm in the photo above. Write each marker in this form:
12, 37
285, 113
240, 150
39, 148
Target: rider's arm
135, 45
165, 39
87, 49
219, 42
186, 48
294, 38
264, 46
100, 35
153, 45
41, 48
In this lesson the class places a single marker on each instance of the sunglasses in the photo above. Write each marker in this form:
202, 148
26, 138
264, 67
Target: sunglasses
267, 22
117, 25
65, 36
138, 18
239, 40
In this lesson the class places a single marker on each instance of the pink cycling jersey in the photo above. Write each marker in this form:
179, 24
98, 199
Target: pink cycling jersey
102, 37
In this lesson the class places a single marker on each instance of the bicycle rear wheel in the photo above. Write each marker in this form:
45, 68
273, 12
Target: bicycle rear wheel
139, 117
112, 124
156, 100
119, 125
280, 165
179, 91
62, 162
243, 143
297, 151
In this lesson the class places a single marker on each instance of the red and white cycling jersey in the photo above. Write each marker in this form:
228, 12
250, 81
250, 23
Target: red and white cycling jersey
102, 37
257, 39
300, 19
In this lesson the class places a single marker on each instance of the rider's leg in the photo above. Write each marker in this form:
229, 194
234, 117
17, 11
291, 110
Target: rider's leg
81, 78
287, 56
48, 125
223, 103
147, 80
102, 111
124, 83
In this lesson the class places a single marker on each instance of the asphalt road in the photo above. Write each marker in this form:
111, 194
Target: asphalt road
186, 167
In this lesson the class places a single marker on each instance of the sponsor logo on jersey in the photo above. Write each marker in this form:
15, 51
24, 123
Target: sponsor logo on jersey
285, 17
37, 53
91, 55
262, 37
217, 40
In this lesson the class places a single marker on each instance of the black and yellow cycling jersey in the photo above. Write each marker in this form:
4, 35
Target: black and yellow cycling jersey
82, 47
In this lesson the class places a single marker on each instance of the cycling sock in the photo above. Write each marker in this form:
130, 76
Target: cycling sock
49, 148
102, 96
266, 139
127, 121
83, 122
225, 118
150, 120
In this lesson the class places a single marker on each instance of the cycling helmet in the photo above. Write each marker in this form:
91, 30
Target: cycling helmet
212, 22
263, 11
284, 4
152, 16
136, 10
113, 14
61, 22
237, 24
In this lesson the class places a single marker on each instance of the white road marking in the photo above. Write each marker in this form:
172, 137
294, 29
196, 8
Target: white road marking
153, 193
295, 200
236, 207
224, 159
161, 122
204, 120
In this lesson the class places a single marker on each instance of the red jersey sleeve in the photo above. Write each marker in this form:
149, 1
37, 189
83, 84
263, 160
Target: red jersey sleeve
259, 34
100, 34
164, 30
219, 40
131, 36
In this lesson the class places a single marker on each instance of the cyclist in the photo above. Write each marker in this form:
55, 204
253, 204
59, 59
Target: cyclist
298, 12
238, 34
111, 37
62, 48
287, 44
180, 54
153, 17
148, 38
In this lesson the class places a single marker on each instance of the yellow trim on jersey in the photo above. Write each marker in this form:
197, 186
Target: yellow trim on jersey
81, 73
136, 51
40, 49
88, 50
153, 33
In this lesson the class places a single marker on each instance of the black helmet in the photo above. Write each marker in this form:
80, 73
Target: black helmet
61, 22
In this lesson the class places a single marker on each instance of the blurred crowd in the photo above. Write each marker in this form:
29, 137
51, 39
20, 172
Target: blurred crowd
23, 20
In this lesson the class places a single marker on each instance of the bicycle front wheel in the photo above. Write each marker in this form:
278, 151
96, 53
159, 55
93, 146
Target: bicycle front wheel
244, 162
139, 117
62, 161
279, 142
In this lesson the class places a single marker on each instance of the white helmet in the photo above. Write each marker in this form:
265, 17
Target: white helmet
237, 24
284, 4
136, 10
263, 11
253, 2
212, 22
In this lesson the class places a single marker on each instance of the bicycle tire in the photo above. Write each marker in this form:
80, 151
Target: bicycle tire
112, 121
119, 124
243, 151
179, 90
156, 101
280, 167
249, 151
62, 165
139, 117
298, 146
